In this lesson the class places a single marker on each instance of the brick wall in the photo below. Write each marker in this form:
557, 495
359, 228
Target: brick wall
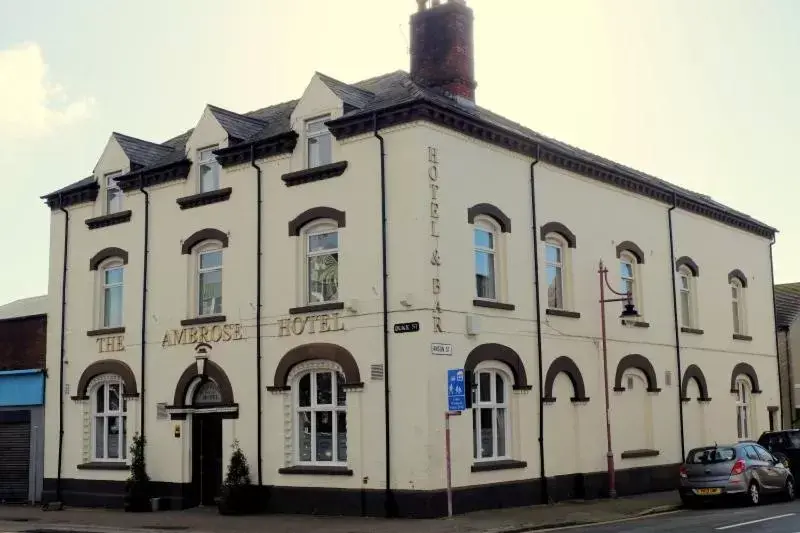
23, 343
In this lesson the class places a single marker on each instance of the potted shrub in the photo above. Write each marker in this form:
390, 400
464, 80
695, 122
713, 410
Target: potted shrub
236, 496
137, 487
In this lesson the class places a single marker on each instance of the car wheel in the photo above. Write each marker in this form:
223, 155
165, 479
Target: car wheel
754, 494
788, 490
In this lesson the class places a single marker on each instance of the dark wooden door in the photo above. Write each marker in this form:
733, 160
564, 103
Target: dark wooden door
206, 458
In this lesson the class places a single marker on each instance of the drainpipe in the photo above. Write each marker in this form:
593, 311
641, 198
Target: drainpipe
258, 306
675, 321
775, 324
790, 375
146, 253
543, 477
389, 496
63, 351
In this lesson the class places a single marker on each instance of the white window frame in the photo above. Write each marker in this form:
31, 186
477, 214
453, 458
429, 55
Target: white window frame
637, 297
314, 136
314, 408
111, 264
103, 385
493, 370
740, 325
320, 227
556, 241
687, 287
113, 203
205, 158
198, 252
487, 225
744, 408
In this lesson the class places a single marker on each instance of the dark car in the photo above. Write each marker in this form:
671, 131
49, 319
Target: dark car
744, 469
785, 445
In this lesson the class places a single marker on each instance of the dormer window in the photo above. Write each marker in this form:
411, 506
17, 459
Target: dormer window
318, 140
209, 169
113, 193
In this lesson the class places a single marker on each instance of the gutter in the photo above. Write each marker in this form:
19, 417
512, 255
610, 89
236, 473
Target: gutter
258, 309
63, 351
145, 254
775, 328
675, 322
537, 292
390, 509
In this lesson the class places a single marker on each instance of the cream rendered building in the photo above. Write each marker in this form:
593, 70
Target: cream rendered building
229, 284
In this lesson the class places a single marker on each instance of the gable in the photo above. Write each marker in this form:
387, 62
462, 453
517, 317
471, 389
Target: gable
208, 132
318, 99
112, 159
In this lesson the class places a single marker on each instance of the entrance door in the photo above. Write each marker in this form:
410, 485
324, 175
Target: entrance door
206, 457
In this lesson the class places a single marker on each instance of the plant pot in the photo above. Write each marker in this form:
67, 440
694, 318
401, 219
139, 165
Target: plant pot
236, 500
137, 499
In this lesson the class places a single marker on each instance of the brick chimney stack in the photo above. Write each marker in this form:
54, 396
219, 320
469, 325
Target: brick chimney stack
442, 56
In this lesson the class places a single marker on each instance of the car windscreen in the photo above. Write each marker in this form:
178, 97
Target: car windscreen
704, 456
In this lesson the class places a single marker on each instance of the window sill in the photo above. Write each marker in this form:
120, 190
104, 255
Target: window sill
635, 323
693, 331
491, 304
203, 320
101, 465
109, 220
314, 470
315, 308
638, 454
738, 337
502, 464
310, 175
204, 198
105, 331
562, 312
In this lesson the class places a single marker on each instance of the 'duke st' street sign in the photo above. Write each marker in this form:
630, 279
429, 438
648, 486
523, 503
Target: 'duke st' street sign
406, 327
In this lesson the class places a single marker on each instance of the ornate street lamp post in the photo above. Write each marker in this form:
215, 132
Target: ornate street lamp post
629, 311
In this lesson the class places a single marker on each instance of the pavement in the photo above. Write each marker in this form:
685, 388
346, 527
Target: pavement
206, 520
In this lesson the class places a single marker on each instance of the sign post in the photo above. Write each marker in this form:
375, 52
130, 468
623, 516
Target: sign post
456, 402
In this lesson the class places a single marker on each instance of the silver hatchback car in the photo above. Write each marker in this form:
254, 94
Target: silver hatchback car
744, 469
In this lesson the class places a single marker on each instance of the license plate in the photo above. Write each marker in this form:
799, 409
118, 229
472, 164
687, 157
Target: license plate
707, 492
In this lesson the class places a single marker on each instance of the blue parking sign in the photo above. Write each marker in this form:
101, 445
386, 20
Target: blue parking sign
456, 390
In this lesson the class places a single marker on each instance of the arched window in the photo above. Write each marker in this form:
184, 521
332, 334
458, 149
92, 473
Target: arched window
556, 271
321, 279
490, 416
111, 291
743, 408
320, 404
109, 413
737, 306
208, 278
485, 234
687, 298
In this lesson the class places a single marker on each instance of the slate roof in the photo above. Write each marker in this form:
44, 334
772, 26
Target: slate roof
377, 94
36, 305
787, 303
139, 152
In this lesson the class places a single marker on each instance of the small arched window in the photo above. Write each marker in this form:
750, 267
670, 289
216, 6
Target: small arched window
207, 258
687, 296
321, 268
109, 414
555, 257
111, 278
737, 306
628, 270
490, 413
743, 408
485, 236
320, 405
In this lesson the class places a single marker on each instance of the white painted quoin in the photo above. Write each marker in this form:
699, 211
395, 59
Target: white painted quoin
458, 187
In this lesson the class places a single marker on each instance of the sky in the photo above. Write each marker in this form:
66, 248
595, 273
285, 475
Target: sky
702, 94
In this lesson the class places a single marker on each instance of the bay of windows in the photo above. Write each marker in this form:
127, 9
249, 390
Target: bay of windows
209, 282
490, 423
321, 418
322, 266
109, 421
